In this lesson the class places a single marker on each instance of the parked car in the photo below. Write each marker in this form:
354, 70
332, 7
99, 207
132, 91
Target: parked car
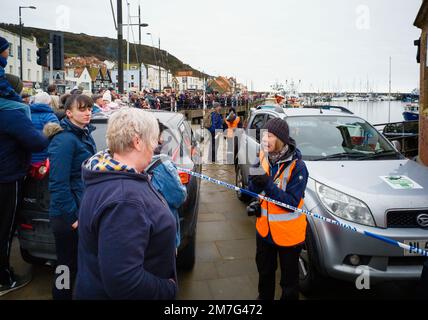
356, 177
35, 235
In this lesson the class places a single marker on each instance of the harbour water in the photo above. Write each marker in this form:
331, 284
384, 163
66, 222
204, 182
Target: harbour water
375, 112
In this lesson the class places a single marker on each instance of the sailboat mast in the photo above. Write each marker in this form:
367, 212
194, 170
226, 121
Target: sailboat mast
389, 96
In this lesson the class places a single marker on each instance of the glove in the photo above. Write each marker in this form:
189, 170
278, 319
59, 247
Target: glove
261, 181
254, 209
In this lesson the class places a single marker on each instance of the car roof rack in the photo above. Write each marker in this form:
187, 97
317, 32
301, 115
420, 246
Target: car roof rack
328, 107
276, 108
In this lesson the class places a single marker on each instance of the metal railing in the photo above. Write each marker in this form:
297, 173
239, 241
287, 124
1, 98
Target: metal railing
405, 132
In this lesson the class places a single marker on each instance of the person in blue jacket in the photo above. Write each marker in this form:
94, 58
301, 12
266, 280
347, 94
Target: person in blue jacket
71, 145
126, 230
166, 180
18, 139
216, 126
6, 89
41, 114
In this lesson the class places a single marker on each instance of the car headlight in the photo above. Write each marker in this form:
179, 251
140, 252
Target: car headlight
344, 206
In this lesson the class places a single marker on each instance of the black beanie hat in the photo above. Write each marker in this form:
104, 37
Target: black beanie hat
279, 128
4, 44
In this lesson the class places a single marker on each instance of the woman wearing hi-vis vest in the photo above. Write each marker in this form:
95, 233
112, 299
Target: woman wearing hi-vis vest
279, 231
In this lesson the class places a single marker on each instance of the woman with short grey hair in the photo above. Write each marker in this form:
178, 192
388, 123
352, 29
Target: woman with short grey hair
126, 231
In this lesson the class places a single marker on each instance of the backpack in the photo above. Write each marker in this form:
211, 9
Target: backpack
208, 119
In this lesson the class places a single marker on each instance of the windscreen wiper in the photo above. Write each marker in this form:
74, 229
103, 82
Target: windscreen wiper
339, 155
380, 155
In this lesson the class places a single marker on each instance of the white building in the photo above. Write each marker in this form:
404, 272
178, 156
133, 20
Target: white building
131, 77
187, 80
153, 77
32, 72
109, 64
78, 77
150, 77
190, 83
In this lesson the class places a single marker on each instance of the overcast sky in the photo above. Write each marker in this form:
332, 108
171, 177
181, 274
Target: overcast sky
327, 44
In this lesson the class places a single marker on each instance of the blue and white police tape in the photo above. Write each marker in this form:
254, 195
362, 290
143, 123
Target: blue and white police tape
393, 242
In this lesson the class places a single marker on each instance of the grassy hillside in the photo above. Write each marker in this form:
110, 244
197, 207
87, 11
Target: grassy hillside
104, 48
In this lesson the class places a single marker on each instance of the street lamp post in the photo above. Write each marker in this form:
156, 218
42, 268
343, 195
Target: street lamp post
20, 39
120, 25
139, 46
140, 25
119, 46
160, 76
153, 46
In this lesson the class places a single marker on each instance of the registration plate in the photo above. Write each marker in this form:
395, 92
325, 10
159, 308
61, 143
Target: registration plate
420, 244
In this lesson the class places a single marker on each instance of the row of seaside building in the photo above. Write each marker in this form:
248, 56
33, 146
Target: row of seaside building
91, 74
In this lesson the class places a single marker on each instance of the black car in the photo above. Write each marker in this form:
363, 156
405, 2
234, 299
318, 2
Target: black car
36, 239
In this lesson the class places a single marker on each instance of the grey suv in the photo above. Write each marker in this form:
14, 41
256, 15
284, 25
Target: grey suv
356, 177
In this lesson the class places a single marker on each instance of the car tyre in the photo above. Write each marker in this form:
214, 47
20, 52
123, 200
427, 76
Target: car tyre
187, 256
239, 179
310, 279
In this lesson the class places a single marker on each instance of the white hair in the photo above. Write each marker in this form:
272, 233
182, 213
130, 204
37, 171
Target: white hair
42, 97
126, 124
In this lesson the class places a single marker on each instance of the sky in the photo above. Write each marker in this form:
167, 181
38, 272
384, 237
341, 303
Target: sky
334, 45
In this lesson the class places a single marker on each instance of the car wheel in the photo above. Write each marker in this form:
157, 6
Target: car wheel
186, 256
240, 183
27, 257
310, 279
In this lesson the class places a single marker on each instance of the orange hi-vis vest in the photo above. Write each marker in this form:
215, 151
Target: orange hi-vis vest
231, 126
287, 228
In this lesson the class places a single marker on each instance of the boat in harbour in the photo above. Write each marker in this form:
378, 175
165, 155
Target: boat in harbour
411, 112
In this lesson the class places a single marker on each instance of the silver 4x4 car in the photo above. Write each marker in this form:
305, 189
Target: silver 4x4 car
356, 177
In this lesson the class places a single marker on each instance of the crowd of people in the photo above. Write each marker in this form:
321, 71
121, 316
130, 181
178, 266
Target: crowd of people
185, 100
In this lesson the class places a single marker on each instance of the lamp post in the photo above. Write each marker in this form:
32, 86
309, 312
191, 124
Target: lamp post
119, 46
120, 25
140, 25
153, 46
20, 38
157, 62
160, 76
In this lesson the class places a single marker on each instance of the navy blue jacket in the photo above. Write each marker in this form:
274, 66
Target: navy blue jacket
67, 151
40, 115
296, 187
18, 139
126, 239
216, 122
